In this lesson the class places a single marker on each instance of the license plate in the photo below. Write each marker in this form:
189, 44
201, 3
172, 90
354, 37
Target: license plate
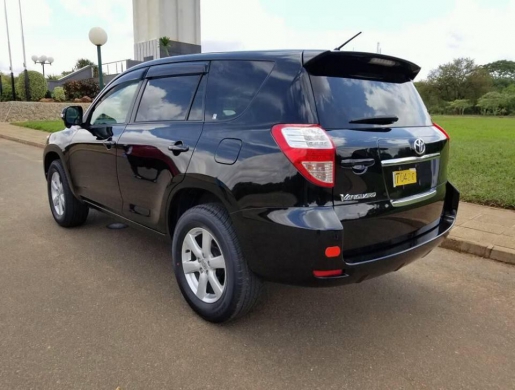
401, 178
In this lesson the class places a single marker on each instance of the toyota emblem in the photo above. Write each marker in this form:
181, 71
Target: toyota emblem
420, 146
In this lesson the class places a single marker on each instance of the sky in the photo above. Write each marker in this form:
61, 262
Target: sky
428, 33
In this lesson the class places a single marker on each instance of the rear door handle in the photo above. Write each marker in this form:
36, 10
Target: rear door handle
351, 162
178, 147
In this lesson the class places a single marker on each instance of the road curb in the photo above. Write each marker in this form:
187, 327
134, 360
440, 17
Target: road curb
493, 252
22, 141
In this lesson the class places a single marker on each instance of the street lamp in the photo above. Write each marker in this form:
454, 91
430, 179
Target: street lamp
98, 37
43, 60
27, 88
9, 47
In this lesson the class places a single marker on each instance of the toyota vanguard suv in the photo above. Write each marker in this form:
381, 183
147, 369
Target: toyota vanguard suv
314, 168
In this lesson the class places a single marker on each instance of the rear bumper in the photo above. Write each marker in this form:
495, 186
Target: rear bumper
287, 245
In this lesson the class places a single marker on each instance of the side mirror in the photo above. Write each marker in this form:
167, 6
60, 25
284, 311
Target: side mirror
72, 116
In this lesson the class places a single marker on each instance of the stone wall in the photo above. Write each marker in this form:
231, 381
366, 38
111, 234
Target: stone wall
30, 111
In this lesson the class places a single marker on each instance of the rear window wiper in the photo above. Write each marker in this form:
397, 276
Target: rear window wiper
376, 120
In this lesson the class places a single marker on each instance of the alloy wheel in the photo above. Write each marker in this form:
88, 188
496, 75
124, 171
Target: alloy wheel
203, 265
57, 193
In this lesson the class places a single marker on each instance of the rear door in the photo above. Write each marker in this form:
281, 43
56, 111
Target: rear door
391, 160
156, 147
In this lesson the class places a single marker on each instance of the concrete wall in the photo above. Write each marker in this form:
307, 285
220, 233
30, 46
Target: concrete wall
28, 111
177, 19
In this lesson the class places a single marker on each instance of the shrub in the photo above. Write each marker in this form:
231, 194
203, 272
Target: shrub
78, 89
37, 86
7, 94
58, 94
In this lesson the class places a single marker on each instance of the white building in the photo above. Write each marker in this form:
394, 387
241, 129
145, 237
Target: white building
178, 20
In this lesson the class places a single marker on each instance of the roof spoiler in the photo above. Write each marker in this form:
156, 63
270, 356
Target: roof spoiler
351, 64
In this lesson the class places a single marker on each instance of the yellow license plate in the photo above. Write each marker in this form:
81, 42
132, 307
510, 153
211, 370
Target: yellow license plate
401, 178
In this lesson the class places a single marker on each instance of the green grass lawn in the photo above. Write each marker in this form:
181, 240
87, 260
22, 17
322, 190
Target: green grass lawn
482, 162
48, 126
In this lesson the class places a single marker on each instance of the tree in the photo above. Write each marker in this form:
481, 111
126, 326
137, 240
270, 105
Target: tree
501, 69
502, 72
52, 77
164, 43
460, 79
7, 90
449, 79
509, 94
66, 72
460, 105
477, 84
492, 102
81, 63
430, 96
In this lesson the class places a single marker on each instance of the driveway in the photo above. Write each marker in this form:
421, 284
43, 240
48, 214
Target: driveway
94, 308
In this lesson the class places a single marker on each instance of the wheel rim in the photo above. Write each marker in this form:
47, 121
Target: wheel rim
203, 265
57, 193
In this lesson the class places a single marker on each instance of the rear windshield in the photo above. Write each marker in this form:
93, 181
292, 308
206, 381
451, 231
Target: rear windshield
340, 100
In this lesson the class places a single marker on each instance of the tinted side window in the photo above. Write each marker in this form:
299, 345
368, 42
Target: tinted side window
167, 99
197, 108
115, 105
232, 85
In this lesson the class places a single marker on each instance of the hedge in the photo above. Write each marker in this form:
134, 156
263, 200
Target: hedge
79, 89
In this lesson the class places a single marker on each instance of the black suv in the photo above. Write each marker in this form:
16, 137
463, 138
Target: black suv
315, 168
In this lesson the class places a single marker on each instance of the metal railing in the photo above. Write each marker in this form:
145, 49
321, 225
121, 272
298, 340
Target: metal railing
114, 67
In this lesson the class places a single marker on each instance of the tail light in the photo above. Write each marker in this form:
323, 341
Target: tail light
442, 130
310, 150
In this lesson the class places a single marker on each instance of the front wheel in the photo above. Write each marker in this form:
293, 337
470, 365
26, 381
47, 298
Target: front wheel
67, 210
212, 274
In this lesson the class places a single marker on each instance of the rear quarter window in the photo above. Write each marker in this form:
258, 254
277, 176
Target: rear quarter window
340, 100
231, 87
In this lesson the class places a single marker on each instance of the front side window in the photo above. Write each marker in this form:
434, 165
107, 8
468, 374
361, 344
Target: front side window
167, 99
232, 85
115, 105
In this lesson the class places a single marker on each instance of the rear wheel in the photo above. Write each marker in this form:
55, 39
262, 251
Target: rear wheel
212, 274
67, 210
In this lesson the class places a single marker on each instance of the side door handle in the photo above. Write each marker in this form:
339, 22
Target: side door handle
109, 143
178, 147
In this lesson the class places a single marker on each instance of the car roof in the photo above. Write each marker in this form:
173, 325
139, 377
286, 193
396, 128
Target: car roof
258, 55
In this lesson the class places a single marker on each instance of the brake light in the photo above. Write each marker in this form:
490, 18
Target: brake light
442, 130
310, 150
332, 251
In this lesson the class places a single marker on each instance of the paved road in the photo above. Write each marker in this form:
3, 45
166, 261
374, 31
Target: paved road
93, 308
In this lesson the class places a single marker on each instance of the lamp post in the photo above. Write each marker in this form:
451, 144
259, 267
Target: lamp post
43, 60
27, 88
98, 37
9, 47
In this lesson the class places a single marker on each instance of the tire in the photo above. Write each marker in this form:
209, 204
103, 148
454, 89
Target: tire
68, 211
240, 288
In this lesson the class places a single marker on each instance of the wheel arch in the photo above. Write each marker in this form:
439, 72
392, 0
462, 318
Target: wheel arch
194, 191
52, 153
